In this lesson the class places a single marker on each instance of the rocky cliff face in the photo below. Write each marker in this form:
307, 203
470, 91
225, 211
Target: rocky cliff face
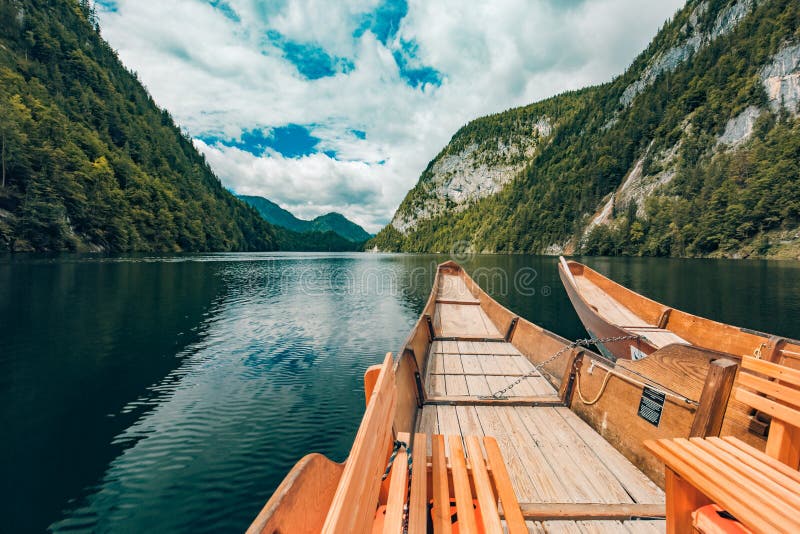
781, 79
456, 178
686, 153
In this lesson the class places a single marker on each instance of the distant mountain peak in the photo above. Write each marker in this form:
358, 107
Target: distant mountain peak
330, 222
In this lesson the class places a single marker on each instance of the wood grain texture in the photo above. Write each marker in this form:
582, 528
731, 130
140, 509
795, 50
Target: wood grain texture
483, 487
353, 506
714, 398
703, 473
505, 491
301, 502
418, 499
441, 489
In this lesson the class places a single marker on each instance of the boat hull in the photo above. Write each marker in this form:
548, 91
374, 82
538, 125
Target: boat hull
599, 328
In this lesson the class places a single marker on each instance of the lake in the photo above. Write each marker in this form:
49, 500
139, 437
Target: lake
173, 393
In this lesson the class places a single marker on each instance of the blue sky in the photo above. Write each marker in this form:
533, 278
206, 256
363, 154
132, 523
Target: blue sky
338, 106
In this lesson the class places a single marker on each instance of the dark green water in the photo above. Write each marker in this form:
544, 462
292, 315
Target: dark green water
173, 394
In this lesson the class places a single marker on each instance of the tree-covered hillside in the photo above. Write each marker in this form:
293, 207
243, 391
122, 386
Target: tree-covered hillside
693, 151
89, 162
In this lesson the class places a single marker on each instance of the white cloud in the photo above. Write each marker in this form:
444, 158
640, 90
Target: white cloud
220, 77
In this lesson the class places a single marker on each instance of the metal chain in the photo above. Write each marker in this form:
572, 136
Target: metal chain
537, 367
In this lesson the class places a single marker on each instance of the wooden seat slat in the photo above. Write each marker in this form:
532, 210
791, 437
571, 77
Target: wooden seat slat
772, 370
760, 489
515, 522
483, 487
393, 523
786, 394
787, 480
717, 457
461, 488
418, 500
709, 484
441, 491
747, 488
770, 407
762, 457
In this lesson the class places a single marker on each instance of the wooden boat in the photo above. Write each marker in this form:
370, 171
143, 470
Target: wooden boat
608, 309
560, 451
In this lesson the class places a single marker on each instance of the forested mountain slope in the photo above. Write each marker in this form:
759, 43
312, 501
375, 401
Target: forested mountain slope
89, 162
693, 151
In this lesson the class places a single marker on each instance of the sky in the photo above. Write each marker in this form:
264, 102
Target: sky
339, 105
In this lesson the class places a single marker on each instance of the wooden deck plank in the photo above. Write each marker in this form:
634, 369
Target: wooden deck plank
550, 442
466, 347
471, 364
448, 424
451, 364
489, 364
478, 386
590, 511
542, 386
454, 288
468, 421
521, 482
658, 337
428, 423
456, 386
436, 364
522, 364
523, 389
548, 481
606, 488
506, 364
562, 527
436, 386
646, 526
638, 486
449, 347
456, 320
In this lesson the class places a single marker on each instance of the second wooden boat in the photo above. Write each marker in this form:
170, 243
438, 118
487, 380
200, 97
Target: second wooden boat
608, 309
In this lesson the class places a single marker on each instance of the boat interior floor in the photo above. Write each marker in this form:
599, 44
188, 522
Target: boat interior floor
617, 313
556, 461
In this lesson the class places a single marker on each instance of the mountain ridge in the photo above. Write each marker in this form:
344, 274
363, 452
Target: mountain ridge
632, 165
333, 221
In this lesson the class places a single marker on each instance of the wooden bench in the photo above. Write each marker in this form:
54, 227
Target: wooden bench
476, 511
761, 490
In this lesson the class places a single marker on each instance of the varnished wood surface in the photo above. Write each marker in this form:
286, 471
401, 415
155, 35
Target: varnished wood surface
621, 304
617, 313
473, 369
759, 496
551, 455
597, 527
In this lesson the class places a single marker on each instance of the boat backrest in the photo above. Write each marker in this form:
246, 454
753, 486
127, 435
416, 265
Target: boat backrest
355, 501
774, 390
